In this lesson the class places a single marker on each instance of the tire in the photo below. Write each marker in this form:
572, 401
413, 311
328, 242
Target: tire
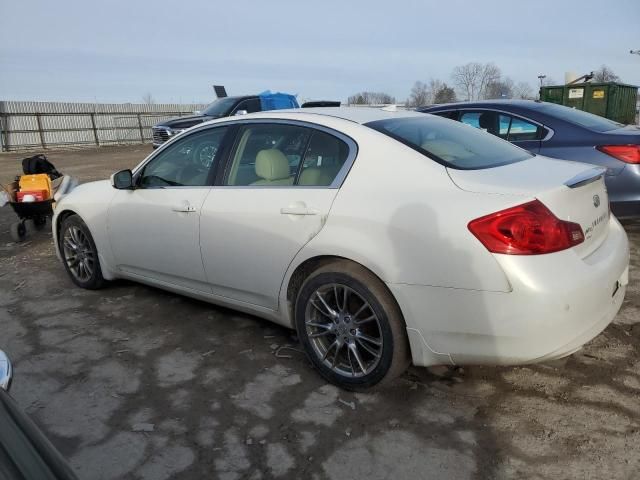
79, 254
362, 308
18, 231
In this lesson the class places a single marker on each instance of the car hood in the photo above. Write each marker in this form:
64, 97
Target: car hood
99, 191
185, 122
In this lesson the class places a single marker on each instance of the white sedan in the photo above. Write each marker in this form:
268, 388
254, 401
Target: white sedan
382, 237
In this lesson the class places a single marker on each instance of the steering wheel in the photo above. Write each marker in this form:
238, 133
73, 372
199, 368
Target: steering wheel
204, 154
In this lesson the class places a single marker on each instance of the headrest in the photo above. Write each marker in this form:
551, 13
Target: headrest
272, 164
487, 120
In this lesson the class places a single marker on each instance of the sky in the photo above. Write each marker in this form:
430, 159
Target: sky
118, 51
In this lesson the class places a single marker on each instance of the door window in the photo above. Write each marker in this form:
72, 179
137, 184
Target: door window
502, 125
522, 130
268, 155
471, 119
450, 114
186, 162
280, 155
323, 160
251, 105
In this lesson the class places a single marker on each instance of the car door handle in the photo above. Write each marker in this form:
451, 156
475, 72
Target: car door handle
184, 208
298, 211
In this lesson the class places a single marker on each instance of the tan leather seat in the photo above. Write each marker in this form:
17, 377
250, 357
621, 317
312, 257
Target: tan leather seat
272, 166
315, 176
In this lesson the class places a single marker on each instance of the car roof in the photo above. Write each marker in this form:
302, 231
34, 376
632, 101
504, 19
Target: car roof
486, 103
360, 115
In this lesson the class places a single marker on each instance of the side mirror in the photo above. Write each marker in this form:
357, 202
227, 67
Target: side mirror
6, 373
122, 180
241, 112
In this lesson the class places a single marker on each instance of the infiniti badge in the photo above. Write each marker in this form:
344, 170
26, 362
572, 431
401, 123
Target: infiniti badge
596, 201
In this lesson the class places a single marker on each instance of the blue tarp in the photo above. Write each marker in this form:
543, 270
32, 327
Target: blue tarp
277, 101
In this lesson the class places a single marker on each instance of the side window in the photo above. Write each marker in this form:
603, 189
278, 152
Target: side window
471, 118
504, 124
450, 114
267, 155
186, 162
501, 125
251, 105
522, 130
323, 160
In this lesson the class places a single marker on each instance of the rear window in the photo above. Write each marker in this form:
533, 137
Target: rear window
452, 144
578, 117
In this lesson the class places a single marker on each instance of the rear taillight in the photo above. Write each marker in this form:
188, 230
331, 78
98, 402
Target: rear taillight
625, 153
528, 229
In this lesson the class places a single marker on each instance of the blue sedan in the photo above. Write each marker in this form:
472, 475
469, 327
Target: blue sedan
562, 132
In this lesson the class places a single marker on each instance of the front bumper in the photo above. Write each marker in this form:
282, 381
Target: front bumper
161, 134
558, 302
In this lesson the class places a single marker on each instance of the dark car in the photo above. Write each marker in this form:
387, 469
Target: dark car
222, 107
562, 132
25, 453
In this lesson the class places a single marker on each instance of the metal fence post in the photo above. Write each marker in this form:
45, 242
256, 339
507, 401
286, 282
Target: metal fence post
95, 130
140, 127
40, 131
4, 135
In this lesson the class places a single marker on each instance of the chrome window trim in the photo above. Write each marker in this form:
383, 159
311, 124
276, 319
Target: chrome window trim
550, 131
337, 182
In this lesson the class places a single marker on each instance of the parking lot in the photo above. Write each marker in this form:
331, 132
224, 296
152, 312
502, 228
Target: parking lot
134, 382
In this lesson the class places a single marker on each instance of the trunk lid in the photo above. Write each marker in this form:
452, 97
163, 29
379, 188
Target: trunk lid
573, 191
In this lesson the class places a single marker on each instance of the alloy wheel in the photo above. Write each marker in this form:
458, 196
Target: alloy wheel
343, 330
78, 253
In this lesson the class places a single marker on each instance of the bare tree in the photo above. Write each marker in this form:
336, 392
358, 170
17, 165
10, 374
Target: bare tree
605, 74
523, 90
474, 78
147, 99
444, 94
420, 95
371, 98
500, 88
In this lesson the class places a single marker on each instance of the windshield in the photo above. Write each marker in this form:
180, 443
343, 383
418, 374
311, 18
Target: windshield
451, 143
220, 107
578, 117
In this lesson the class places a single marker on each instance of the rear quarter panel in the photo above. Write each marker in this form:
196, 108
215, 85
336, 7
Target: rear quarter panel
399, 214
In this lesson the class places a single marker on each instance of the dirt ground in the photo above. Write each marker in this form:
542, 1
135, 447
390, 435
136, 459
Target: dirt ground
133, 382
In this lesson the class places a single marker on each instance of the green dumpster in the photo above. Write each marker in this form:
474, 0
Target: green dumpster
616, 101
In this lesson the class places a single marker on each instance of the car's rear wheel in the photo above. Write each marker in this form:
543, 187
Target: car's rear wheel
79, 253
351, 327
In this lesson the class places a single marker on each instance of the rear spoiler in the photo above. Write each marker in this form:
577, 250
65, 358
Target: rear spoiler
586, 177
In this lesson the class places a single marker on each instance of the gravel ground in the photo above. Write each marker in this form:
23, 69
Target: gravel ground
134, 382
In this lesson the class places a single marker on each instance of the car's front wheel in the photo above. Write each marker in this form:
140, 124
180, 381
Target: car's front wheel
79, 253
351, 327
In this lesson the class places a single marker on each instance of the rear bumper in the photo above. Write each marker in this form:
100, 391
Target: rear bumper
558, 302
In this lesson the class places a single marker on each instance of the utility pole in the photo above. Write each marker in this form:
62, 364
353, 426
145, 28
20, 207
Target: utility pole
541, 78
